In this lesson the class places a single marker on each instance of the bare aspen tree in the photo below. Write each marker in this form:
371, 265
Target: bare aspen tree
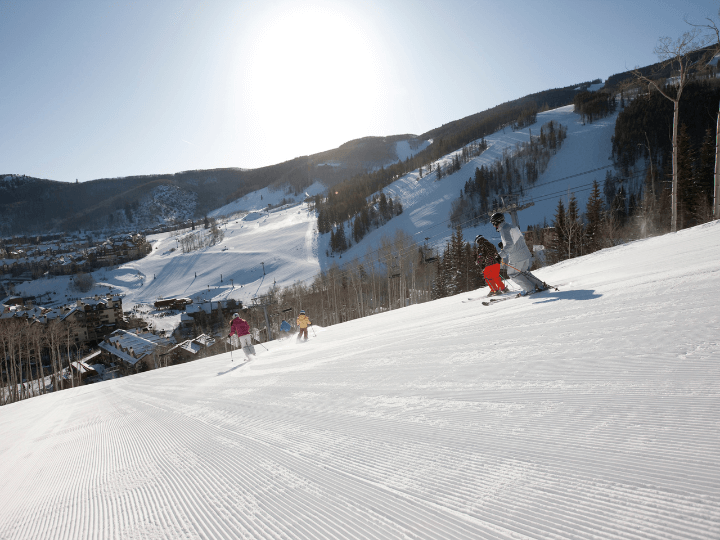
13, 333
5, 351
70, 328
678, 54
54, 335
36, 331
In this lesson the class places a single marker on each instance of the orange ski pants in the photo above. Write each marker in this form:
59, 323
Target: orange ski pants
492, 277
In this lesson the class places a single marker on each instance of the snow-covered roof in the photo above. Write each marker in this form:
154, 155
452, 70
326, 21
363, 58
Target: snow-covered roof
140, 343
66, 314
82, 367
119, 353
94, 301
207, 307
205, 339
92, 355
191, 346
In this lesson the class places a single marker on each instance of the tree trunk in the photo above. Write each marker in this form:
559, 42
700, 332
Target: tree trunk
674, 199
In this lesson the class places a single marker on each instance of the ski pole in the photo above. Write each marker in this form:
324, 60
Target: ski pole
263, 346
314, 334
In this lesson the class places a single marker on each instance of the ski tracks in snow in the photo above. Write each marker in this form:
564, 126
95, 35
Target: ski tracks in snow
585, 413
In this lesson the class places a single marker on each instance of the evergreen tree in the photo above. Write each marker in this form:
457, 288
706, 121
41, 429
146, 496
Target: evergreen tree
439, 287
705, 178
573, 228
358, 229
383, 206
619, 207
365, 217
705, 173
556, 249
593, 219
687, 187
457, 263
340, 239
632, 205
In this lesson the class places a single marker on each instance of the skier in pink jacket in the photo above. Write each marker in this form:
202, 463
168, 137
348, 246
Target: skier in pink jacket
241, 329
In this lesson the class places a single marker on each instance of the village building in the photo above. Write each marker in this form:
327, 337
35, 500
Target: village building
188, 350
173, 303
82, 371
208, 313
135, 350
102, 315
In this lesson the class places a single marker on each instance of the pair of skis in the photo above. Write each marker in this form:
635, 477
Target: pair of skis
510, 296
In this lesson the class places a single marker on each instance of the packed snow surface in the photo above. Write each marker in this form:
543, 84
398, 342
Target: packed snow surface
588, 412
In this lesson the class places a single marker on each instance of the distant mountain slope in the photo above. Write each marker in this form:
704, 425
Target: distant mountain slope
427, 201
33, 205
547, 99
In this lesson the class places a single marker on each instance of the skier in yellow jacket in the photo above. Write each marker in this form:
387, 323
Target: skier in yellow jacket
303, 322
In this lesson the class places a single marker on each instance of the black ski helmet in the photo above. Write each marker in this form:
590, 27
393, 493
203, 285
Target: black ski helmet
497, 218
478, 238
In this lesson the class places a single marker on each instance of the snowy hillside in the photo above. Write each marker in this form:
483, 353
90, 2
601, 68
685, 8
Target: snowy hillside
427, 201
262, 198
287, 242
591, 412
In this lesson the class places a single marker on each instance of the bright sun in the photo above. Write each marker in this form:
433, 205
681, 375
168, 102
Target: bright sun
314, 70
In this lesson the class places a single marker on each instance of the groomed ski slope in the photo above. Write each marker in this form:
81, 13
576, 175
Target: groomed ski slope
591, 412
427, 202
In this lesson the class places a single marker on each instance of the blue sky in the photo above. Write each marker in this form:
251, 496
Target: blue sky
100, 89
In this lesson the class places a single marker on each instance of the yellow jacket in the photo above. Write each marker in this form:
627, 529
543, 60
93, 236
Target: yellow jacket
303, 321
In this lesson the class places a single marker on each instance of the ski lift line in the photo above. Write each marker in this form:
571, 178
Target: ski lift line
578, 188
573, 176
546, 197
549, 196
582, 188
533, 186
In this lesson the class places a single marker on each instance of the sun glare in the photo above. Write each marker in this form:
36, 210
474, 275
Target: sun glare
314, 71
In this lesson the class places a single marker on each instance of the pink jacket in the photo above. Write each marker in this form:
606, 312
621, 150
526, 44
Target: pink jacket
239, 326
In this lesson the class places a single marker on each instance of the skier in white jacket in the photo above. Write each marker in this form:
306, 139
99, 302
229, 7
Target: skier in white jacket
516, 255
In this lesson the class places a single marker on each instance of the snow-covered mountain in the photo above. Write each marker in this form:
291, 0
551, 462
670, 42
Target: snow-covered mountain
590, 412
285, 239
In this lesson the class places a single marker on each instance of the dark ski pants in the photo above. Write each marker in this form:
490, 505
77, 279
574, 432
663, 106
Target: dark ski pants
303, 332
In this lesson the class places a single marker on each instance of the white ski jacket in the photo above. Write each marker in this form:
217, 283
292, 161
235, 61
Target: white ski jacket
514, 247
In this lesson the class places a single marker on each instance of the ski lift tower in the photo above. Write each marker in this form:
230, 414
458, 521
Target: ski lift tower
511, 206
264, 302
